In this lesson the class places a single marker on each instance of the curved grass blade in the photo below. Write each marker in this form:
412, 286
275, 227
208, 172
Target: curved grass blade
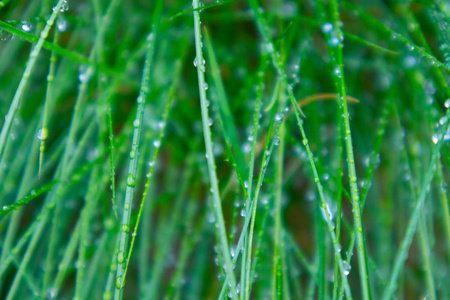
210, 153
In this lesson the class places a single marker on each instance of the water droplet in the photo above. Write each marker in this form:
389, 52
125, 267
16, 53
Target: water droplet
205, 86
268, 47
211, 218
120, 257
6, 207
5, 35
132, 154
278, 117
82, 77
107, 296
136, 123
447, 135
233, 251
246, 184
119, 282
243, 213
337, 72
195, 61
207, 103
326, 27
64, 6
346, 267
210, 122
447, 103
42, 134
409, 61
333, 41
277, 141
131, 182
62, 25
26, 26
156, 143
161, 124
125, 228
435, 138
246, 147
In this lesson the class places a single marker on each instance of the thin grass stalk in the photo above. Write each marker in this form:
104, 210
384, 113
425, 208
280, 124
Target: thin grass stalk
402, 253
132, 168
210, 154
43, 131
338, 74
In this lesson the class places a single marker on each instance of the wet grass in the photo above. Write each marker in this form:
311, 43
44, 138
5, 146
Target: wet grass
234, 149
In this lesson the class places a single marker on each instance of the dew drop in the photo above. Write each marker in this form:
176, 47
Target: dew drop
161, 124
326, 27
205, 86
233, 251
337, 72
277, 141
119, 283
447, 103
82, 77
125, 228
435, 138
107, 296
136, 123
195, 61
268, 47
131, 182
346, 267
246, 184
246, 147
333, 41
62, 25
42, 134
211, 218
243, 213
26, 26
210, 122
120, 257
409, 61
156, 143
64, 6
278, 117
132, 154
